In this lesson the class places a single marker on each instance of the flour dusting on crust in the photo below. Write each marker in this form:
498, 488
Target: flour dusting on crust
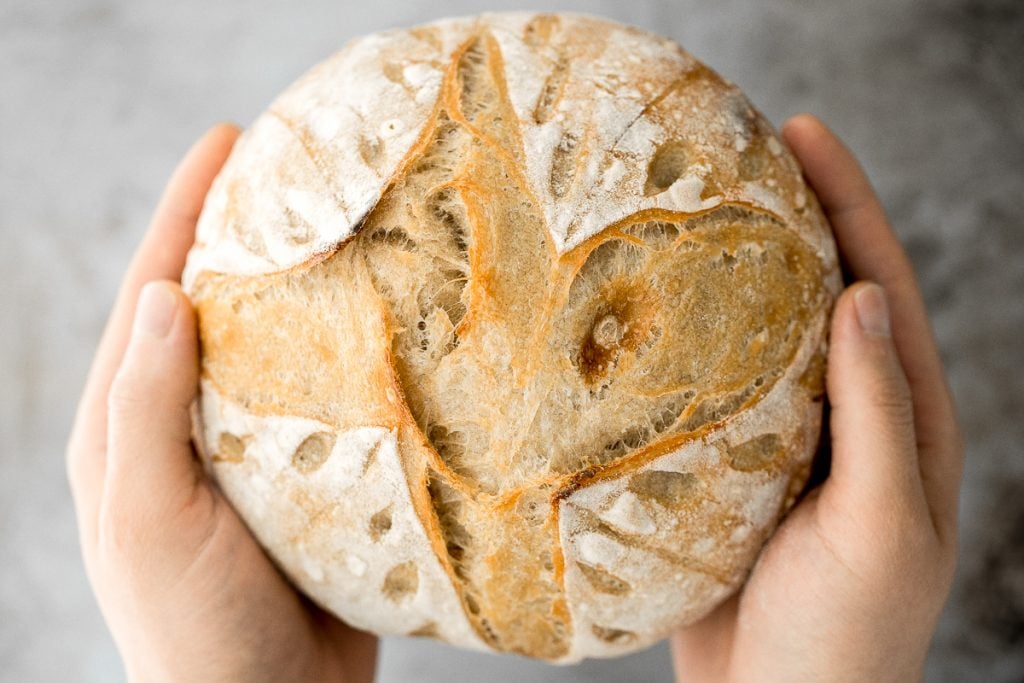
459, 254
320, 524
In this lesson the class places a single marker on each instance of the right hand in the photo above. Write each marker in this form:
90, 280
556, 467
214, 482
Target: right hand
851, 585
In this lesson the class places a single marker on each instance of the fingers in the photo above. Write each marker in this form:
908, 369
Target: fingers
872, 252
149, 457
160, 256
162, 252
872, 419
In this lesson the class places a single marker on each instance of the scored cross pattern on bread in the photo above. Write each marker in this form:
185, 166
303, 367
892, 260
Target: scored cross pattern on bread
553, 388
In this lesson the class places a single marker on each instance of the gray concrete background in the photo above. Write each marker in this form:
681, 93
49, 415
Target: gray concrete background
98, 100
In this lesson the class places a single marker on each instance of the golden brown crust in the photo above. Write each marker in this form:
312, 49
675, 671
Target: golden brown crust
577, 412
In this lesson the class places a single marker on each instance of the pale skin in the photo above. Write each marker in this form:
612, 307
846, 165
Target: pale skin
850, 588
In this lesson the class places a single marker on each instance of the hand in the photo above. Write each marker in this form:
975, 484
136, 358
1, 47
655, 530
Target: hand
851, 586
185, 589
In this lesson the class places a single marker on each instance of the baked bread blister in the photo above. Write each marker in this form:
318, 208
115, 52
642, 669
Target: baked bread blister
513, 334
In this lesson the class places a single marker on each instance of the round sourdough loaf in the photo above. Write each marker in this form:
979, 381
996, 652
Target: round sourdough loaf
513, 334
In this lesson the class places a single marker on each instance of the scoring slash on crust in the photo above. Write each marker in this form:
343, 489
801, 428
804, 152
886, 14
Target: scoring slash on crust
516, 339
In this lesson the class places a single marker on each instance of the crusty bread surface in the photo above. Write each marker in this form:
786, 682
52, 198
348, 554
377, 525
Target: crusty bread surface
513, 334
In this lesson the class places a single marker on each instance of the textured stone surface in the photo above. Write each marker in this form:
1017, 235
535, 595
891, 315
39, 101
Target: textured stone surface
99, 99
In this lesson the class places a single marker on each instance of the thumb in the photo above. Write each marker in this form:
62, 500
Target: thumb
149, 451
874, 451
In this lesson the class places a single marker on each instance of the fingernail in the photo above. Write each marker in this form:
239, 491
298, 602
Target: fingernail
872, 310
155, 311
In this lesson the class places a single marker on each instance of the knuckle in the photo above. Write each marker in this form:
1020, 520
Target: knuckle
127, 395
893, 397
